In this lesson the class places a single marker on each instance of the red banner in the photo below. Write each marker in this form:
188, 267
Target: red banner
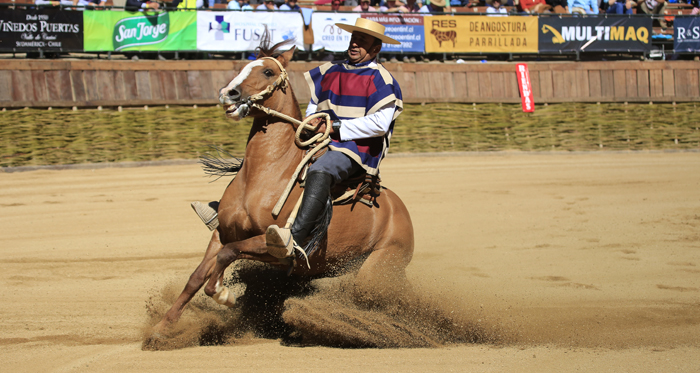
525, 88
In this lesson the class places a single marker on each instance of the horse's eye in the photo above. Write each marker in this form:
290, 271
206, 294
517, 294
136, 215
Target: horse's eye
268, 73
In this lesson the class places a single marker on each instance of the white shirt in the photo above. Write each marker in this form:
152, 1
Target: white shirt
373, 125
501, 10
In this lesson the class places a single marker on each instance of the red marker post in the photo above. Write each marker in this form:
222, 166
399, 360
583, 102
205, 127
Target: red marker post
525, 88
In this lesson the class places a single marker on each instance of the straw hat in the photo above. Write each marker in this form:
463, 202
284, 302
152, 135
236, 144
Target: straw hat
440, 3
370, 28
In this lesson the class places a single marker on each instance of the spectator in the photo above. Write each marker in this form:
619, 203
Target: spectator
413, 6
54, 2
532, 6
335, 5
695, 5
89, 3
393, 6
146, 4
495, 8
185, 4
621, 7
653, 7
558, 6
239, 5
435, 6
267, 5
290, 5
364, 7
583, 6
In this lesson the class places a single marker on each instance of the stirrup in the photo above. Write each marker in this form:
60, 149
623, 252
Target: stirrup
209, 216
281, 244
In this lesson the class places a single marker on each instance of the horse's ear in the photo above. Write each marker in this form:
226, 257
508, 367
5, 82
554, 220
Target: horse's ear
287, 56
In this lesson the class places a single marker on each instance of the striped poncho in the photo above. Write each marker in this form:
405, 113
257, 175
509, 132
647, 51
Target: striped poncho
355, 91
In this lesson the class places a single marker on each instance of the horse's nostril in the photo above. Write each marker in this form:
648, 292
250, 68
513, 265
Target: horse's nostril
233, 93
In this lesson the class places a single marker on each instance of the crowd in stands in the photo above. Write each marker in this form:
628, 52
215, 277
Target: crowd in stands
493, 7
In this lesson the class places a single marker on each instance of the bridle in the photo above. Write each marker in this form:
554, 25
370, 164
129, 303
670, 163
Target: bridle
282, 82
315, 143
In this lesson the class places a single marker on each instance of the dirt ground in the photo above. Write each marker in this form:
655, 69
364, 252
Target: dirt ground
582, 262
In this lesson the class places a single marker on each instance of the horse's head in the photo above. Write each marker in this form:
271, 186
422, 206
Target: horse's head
258, 82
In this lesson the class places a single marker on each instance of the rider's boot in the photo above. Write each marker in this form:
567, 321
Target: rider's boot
208, 213
281, 241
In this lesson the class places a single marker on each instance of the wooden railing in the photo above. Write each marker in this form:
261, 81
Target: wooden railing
61, 83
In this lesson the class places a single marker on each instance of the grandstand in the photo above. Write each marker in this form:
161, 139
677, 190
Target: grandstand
662, 41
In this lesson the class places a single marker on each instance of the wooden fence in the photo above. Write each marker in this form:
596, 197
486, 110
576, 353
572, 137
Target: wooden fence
91, 83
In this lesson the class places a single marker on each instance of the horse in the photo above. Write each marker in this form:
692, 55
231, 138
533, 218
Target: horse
378, 239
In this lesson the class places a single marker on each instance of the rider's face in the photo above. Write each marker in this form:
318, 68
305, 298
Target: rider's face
362, 48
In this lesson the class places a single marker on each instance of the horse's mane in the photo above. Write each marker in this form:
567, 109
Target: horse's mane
264, 49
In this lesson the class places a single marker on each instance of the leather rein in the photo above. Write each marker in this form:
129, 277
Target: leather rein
316, 143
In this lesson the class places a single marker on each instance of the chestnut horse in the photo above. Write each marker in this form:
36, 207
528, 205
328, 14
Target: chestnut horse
378, 237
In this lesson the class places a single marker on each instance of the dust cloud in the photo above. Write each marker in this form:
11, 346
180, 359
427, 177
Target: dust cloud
318, 312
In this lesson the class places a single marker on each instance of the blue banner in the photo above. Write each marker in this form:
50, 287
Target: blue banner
686, 34
407, 29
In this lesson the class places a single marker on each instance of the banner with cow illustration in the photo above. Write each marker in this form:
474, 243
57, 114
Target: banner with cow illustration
480, 34
595, 34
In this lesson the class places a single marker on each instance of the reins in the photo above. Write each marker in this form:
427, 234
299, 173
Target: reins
317, 142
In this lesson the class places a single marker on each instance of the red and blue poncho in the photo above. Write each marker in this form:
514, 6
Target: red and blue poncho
356, 91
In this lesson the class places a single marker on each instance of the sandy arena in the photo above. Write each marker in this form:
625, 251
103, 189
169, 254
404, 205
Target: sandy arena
573, 262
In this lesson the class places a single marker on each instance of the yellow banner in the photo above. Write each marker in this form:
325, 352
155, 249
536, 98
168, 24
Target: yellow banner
480, 34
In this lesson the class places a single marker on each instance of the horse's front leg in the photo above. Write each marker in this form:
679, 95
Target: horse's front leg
252, 248
195, 282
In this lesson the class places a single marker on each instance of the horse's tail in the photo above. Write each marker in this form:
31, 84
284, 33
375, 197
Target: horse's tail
321, 228
217, 165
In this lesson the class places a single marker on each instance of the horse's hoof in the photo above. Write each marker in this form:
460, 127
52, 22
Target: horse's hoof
224, 296
155, 342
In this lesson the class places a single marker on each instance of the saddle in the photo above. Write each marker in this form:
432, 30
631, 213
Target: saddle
363, 188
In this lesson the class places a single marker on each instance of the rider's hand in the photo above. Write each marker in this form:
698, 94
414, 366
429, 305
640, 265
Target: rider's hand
320, 125
315, 122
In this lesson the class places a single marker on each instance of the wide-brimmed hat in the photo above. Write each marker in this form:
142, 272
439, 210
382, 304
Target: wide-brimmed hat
440, 3
370, 28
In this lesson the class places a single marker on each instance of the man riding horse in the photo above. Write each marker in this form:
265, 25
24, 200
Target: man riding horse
363, 100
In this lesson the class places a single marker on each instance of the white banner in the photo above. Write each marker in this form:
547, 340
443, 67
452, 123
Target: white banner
241, 31
327, 34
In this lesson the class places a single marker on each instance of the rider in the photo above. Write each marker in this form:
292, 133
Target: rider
363, 100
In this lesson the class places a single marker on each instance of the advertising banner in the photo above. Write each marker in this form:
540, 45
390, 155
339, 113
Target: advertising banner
241, 31
408, 29
480, 34
140, 31
595, 34
46, 29
329, 36
686, 34
526, 96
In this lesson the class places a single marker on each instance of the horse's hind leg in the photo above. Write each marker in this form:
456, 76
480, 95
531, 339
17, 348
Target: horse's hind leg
197, 279
382, 276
